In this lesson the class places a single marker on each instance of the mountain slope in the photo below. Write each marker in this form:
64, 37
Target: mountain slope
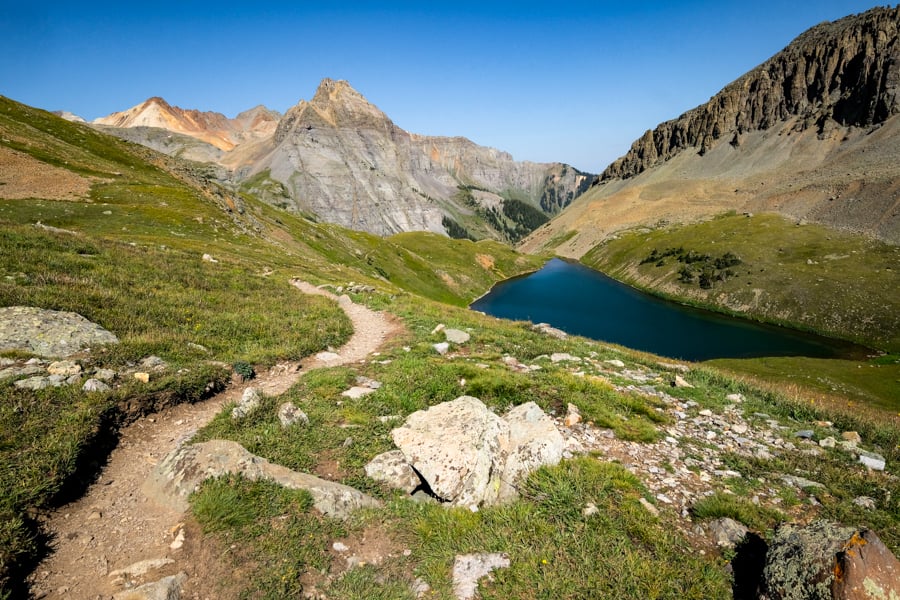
340, 158
811, 133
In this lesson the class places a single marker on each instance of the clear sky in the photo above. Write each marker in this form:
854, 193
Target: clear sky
570, 81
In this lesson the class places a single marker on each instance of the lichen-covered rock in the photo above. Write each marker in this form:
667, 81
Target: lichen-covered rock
824, 561
250, 400
49, 333
289, 414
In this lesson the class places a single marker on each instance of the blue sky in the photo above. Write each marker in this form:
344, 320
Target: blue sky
570, 81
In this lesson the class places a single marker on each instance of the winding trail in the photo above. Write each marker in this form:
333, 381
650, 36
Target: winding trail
115, 524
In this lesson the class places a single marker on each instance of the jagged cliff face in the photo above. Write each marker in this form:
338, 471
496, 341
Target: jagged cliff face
836, 74
813, 134
341, 158
210, 127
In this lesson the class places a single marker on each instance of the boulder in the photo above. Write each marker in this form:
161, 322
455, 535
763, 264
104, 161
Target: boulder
441, 347
458, 447
183, 470
392, 469
49, 333
681, 382
534, 441
469, 456
825, 561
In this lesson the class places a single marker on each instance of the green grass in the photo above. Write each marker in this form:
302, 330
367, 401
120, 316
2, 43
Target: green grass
740, 509
874, 383
808, 276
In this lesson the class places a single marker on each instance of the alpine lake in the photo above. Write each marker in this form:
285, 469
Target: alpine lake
582, 301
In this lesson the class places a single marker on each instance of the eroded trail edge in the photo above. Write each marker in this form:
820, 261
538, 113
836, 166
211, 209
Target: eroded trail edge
115, 524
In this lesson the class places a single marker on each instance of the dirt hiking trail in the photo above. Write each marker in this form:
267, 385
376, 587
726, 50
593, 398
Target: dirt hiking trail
115, 525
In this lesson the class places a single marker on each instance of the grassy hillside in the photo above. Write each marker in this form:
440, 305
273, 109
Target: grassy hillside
823, 280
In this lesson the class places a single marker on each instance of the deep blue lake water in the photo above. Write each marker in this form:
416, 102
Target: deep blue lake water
585, 302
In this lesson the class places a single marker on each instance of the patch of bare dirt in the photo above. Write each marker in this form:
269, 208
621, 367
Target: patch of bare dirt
22, 176
115, 524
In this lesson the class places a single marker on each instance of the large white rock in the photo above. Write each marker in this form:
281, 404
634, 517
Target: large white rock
459, 448
534, 441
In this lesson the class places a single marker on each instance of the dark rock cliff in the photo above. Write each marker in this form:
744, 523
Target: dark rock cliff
845, 72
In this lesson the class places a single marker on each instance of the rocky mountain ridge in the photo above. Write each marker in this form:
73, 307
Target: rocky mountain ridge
837, 73
812, 134
211, 127
340, 158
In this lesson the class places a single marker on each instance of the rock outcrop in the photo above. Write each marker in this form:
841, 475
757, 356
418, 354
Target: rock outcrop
189, 465
466, 455
842, 73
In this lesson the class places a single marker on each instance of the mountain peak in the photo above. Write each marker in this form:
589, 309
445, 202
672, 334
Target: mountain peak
335, 104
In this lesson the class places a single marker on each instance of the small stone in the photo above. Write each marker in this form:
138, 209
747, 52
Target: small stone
851, 436
805, 434
250, 399
469, 568
64, 367
828, 442
563, 357
680, 382
95, 514
590, 509
871, 460
735, 397
142, 377
705, 413
209, 258
573, 415
727, 533
649, 507
456, 336
340, 547
178, 542
357, 392
615, 362
864, 502
441, 348
104, 374
438, 328
94, 385
664, 499
739, 428
289, 414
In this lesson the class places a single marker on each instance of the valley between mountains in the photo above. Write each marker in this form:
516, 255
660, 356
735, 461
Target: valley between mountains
236, 358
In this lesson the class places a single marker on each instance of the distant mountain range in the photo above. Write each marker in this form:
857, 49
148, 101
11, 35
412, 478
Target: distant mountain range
812, 134
340, 159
